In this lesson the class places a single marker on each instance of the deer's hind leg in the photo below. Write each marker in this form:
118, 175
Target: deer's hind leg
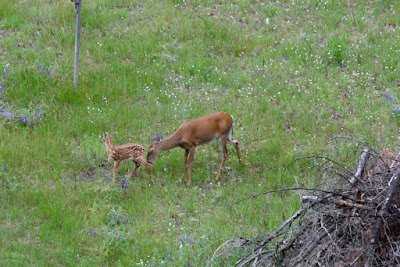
224, 156
235, 143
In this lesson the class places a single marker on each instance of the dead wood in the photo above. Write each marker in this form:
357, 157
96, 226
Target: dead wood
351, 219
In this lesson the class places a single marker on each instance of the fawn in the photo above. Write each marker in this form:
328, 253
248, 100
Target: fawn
134, 152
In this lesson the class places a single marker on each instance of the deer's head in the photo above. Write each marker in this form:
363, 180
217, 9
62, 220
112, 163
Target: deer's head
152, 152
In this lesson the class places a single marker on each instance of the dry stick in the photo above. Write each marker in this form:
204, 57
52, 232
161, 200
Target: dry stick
395, 161
361, 166
354, 179
252, 255
308, 251
392, 189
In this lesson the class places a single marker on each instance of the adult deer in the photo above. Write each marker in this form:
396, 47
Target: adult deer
193, 133
134, 152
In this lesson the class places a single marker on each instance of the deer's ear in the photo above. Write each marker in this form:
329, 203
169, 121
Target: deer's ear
156, 138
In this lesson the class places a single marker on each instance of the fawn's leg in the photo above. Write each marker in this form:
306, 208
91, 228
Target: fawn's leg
116, 164
137, 165
143, 162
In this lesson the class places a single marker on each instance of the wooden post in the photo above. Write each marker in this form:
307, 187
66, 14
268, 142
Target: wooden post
78, 4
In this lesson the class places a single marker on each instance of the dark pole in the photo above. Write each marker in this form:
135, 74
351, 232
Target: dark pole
78, 4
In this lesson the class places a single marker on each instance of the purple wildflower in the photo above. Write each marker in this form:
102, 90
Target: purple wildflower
2, 92
181, 239
191, 264
176, 44
40, 113
215, 233
123, 183
5, 168
298, 144
5, 73
388, 97
200, 245
217, 198
94, 233
169, 257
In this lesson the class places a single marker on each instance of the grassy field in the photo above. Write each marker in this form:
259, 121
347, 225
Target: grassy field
292, 74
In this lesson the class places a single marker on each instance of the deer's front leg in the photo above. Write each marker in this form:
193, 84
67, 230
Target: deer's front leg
184, 162
116, 164
192, 151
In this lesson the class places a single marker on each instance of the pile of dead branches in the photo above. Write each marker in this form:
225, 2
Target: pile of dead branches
352, 220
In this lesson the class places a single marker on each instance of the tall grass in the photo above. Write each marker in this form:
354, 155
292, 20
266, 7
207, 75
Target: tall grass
292, 73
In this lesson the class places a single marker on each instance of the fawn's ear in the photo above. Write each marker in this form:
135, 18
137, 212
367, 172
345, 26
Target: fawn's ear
112, 134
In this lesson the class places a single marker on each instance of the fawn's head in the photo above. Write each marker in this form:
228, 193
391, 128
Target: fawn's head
107, 137
152, 152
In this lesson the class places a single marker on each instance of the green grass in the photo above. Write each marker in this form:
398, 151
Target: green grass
316, 69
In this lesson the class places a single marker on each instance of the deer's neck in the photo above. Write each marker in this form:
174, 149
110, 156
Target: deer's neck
171, 142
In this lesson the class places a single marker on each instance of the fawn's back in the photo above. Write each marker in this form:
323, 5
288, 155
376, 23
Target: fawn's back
129, 151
